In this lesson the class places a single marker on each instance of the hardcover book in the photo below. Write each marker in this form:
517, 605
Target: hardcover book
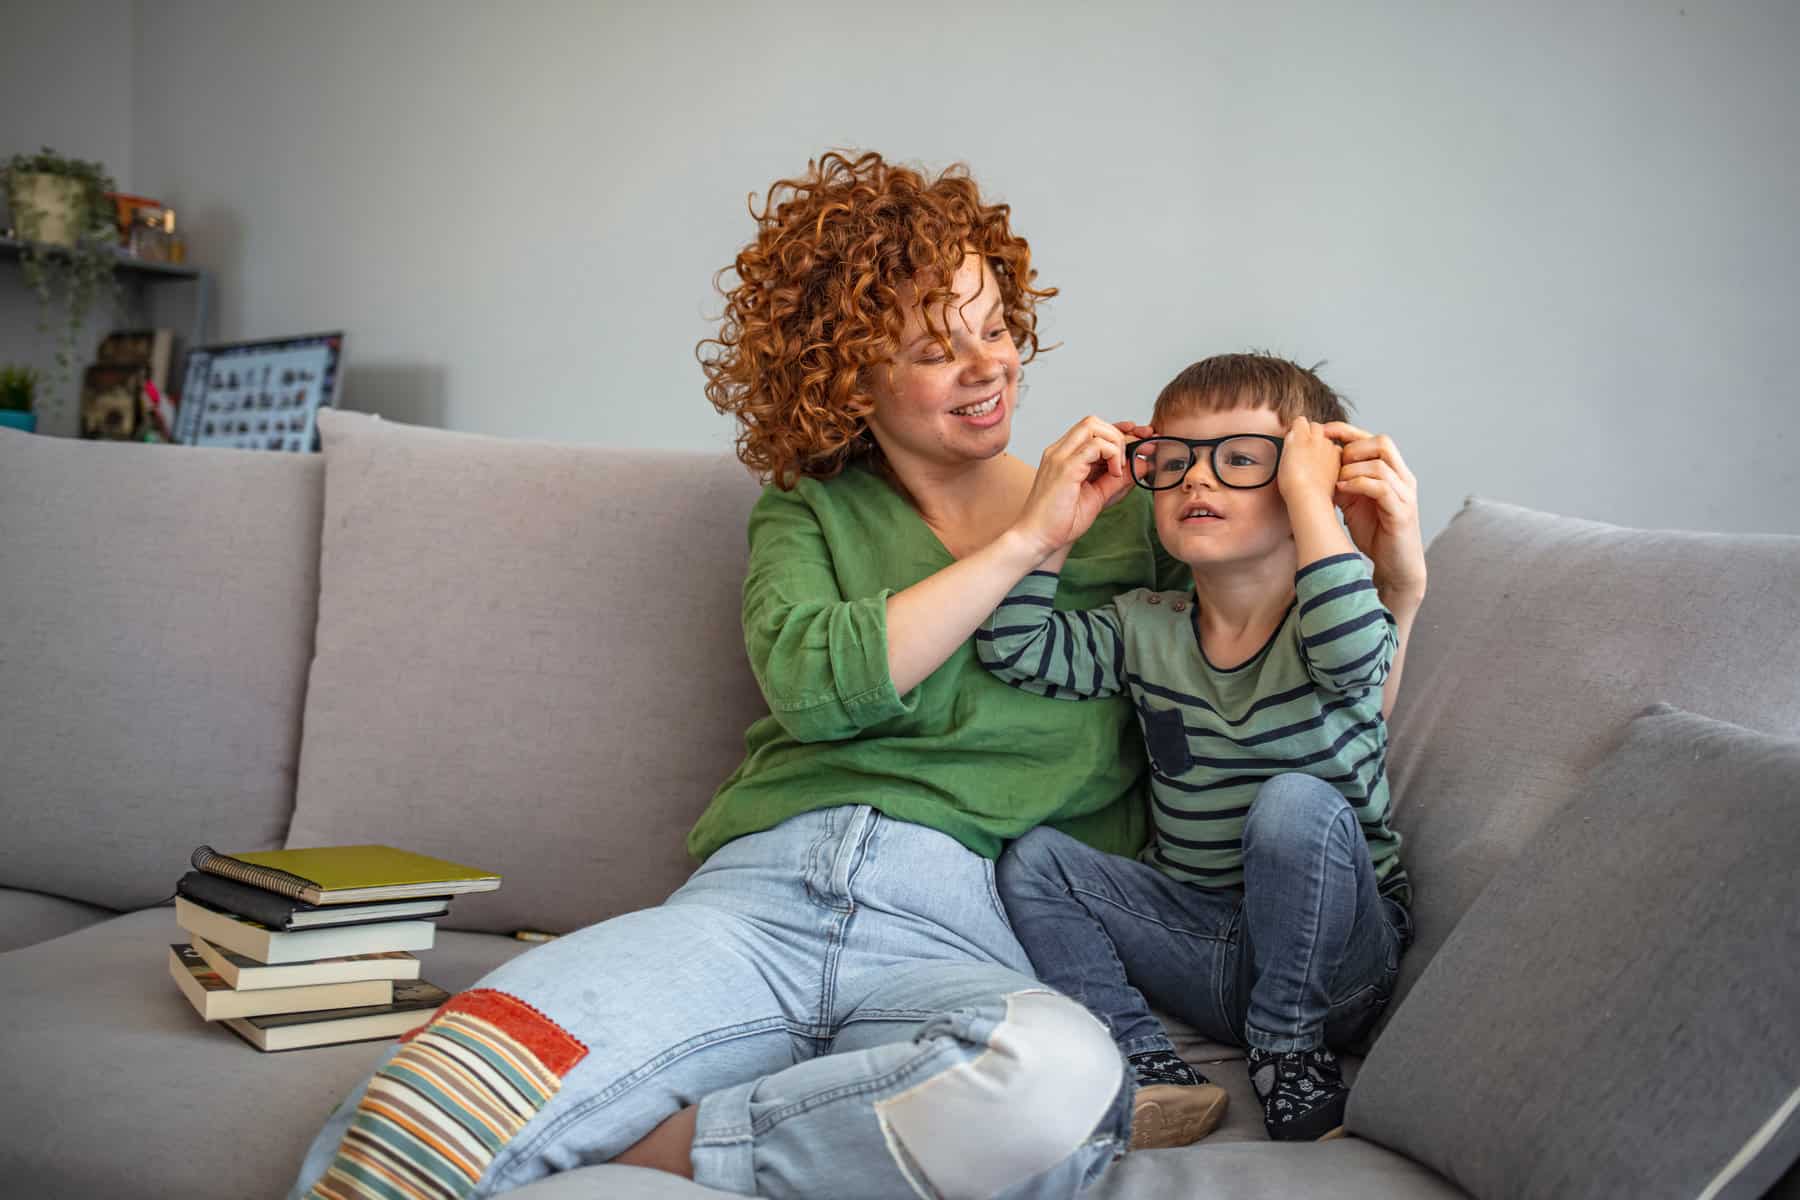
347, 874
265, 945
247, 975
280, 913
414, 1002
215, 1000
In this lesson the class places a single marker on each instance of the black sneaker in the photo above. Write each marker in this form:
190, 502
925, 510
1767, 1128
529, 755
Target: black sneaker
1175, 1105
1302, 1093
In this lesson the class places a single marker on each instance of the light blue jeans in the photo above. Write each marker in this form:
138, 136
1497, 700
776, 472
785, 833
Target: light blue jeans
841, 995
1304, 955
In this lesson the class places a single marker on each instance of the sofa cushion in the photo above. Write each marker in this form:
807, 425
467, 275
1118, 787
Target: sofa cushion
530, 658
1654, 922
30, 917
1540, 638
114, 1052
1345, 1169
158, 610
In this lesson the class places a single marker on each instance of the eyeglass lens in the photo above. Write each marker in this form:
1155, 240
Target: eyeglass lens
1242, 462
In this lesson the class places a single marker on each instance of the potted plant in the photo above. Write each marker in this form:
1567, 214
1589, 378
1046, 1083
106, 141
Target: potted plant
66, 226
18, 388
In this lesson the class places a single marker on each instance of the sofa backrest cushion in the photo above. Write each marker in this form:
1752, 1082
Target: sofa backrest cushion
156, 620
530, 658
1549, 1050
1540, 638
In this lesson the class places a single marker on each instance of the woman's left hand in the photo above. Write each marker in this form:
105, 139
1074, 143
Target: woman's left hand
1379, 497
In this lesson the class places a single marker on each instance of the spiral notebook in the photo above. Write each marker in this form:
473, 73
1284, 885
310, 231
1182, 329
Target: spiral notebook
347, 874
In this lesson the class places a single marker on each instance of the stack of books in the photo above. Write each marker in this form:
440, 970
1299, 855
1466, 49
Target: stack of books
293, 948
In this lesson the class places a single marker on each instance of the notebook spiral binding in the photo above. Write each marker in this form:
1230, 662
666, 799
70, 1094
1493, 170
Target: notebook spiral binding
211, 861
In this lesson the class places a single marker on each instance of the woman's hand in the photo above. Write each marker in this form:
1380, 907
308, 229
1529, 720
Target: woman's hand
1379, 497
1081, 473
1133, 432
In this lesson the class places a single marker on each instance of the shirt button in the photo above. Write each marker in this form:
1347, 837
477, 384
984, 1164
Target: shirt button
1155, 599
1179, 606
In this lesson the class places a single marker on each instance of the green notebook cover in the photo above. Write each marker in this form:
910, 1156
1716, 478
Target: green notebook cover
338, 873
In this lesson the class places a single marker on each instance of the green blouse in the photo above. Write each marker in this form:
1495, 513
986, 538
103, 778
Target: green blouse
963, 752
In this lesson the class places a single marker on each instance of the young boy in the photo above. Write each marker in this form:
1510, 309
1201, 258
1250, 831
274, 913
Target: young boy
1270, 908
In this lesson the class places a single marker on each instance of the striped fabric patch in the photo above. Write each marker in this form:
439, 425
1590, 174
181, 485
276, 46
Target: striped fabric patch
460, 1088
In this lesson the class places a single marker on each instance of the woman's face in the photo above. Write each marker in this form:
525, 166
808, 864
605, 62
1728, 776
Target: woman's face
942, 410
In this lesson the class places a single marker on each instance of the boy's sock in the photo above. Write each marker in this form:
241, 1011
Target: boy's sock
1302, 1093
1160, 1066
1175, 1104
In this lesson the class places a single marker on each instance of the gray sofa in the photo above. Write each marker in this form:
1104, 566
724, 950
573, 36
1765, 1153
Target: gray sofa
471, 647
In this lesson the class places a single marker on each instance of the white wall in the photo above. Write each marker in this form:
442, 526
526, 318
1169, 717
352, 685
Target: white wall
1550, 246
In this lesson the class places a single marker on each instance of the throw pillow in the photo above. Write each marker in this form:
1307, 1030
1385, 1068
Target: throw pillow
1615, 1016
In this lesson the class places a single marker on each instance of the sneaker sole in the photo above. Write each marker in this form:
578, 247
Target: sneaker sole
1166, 1114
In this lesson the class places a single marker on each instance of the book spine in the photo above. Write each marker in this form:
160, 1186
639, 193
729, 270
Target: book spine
211, 861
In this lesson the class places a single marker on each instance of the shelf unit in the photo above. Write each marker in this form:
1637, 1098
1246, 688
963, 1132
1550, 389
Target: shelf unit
129, 271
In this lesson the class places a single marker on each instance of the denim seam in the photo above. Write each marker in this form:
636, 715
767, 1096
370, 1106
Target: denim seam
1225, 974
891, 1014
834, 943
762, 1123
1150, 1042
1143, 916
522, 1151
813, 852
1318, 920
993, 890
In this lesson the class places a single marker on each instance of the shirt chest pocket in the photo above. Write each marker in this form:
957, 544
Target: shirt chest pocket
1166, 737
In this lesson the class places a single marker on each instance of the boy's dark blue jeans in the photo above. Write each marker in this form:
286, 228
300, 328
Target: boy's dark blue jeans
1305, 955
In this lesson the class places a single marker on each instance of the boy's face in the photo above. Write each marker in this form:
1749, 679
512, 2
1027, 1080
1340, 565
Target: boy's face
1206, 524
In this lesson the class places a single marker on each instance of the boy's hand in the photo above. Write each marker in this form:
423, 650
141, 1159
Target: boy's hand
1310, 462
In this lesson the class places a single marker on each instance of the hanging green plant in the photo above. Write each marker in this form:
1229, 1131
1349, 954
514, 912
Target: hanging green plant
65, 223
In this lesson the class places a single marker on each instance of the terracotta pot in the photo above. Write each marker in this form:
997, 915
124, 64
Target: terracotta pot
48, 208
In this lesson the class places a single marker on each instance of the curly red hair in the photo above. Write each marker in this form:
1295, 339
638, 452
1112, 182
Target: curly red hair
818, 301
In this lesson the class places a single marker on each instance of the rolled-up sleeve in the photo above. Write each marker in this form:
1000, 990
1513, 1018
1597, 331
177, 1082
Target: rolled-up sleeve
821, 658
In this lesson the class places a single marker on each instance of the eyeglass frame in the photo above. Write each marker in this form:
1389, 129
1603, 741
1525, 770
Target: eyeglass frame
1212, 459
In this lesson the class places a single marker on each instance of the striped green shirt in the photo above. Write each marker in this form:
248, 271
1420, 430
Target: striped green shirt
1309, 701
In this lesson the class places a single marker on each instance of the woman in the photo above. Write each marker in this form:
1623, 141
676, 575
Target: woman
836, 994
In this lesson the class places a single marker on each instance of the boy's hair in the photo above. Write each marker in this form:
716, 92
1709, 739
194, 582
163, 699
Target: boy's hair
1227, 381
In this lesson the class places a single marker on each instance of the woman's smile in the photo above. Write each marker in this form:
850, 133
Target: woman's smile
983, 414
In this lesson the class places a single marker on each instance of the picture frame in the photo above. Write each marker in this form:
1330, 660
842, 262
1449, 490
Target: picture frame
260, 395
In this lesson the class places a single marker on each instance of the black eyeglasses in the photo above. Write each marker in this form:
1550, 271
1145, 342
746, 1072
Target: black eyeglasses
1242, 460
